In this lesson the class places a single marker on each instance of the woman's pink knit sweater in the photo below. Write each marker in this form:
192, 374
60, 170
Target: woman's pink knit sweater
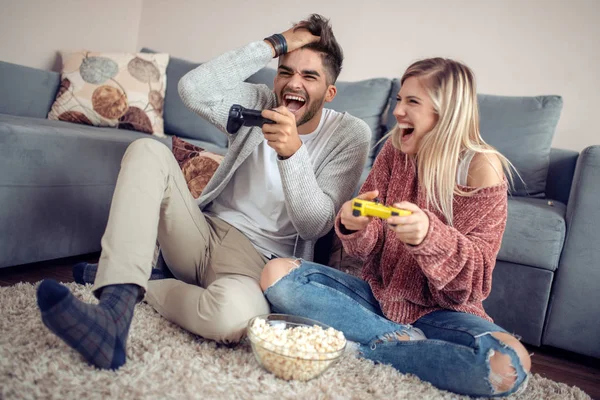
451, 268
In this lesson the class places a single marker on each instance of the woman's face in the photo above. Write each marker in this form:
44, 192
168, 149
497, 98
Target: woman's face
415, 115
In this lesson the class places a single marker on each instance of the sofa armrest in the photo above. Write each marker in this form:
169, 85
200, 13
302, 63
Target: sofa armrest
560, 174
574, 315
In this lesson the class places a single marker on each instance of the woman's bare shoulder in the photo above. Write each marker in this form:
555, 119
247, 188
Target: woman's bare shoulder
485, 170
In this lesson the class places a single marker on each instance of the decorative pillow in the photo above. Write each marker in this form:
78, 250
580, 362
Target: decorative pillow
120, 90
197, 164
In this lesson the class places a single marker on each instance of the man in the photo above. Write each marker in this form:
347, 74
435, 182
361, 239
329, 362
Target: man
276, 192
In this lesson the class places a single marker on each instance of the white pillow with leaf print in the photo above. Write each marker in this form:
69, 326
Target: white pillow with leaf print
120, 90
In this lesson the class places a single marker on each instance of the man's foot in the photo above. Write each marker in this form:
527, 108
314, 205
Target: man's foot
98, 332
85, 273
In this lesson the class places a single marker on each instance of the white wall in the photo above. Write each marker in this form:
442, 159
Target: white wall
515, 47
32, 31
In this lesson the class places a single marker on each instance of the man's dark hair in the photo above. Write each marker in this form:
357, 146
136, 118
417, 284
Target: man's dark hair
333, 55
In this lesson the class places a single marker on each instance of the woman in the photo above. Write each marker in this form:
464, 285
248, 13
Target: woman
419, 305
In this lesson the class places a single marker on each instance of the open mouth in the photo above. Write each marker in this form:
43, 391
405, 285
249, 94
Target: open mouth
293, 102
406, 131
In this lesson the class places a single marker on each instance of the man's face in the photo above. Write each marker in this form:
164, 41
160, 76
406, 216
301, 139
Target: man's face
301, 84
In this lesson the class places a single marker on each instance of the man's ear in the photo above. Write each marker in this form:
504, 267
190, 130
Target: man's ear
330, 93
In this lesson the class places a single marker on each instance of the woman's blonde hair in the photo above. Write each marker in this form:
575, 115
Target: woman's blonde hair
451, 87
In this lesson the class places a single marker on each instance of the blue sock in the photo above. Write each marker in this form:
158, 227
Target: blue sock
85, 273
98, 332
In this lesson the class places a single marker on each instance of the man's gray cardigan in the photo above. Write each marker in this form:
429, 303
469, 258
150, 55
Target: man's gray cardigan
314, 190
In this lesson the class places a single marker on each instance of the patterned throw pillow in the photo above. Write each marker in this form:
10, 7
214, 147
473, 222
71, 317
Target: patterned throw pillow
197, 164
119, 90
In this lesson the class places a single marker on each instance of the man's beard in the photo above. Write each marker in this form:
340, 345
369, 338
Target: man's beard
312, 108
310, 112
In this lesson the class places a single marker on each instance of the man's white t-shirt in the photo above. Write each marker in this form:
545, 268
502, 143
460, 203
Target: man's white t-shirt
253, 200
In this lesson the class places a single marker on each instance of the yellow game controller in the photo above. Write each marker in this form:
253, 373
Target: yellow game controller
367, 208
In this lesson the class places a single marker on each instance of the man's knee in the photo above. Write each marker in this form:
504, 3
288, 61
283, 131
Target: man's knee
230, 307
145, 146
227, 328
504, 374
276, 269
230, 322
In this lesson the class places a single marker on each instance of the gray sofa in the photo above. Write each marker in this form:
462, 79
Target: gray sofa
58, 178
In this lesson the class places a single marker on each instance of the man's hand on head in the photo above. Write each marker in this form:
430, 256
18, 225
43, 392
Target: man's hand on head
282, 136
296, 37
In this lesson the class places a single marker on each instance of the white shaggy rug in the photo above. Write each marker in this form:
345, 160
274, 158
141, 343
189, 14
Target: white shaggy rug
166, 362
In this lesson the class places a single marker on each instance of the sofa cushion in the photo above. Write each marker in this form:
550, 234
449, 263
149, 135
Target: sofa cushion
366, 99
26, 92
124, 90
390, 120
265, 76
535, 232
180, 120
521, 128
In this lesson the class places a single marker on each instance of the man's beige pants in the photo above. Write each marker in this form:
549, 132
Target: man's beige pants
217, 268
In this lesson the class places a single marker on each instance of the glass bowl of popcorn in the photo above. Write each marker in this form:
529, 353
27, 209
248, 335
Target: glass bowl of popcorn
294, 348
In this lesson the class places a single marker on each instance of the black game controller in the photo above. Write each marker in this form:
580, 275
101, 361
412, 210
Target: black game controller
239, 116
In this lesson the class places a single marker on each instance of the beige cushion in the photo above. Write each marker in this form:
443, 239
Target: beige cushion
121, 90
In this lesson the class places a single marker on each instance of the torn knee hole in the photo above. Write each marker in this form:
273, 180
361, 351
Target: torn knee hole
393, 336
402, 336
293, 264
503, 375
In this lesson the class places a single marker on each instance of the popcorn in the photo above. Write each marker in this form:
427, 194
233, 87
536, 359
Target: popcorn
300, 353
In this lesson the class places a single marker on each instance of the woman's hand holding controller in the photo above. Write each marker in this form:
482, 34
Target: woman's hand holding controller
349, 221
411, 229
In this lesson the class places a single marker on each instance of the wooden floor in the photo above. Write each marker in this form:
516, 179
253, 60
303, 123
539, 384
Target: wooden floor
558, 365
